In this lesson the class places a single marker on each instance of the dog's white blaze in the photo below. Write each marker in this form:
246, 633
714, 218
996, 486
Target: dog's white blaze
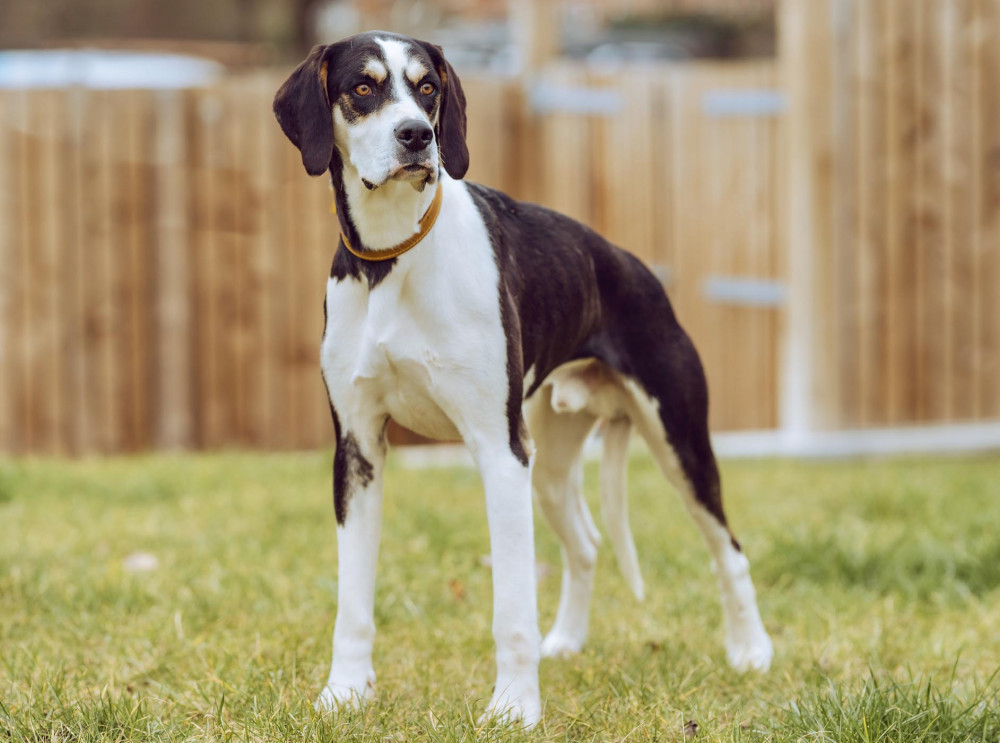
397, 58
427, 347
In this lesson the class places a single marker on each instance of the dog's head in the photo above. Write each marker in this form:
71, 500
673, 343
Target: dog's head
392, 107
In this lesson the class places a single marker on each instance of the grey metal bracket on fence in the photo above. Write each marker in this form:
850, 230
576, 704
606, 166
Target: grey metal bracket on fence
546, 97
747, 102
745, 291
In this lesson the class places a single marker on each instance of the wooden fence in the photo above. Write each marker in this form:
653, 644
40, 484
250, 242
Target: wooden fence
828, 227
893, 155
164, 255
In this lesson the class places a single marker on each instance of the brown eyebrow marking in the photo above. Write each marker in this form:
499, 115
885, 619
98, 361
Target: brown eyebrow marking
376, 69
415, 71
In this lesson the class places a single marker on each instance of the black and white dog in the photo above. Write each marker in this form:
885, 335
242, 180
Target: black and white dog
459, 312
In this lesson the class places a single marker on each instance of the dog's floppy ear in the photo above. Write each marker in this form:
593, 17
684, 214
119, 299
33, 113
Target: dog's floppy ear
302, 107
451, 117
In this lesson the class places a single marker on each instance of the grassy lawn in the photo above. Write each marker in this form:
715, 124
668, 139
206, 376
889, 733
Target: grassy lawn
879, 581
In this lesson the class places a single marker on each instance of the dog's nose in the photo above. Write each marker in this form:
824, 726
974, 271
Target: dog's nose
414, 134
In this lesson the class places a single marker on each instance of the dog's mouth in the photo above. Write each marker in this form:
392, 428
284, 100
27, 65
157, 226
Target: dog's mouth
412, 171
417, 174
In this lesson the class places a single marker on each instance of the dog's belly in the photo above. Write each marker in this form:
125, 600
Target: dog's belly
404, 383
413, 408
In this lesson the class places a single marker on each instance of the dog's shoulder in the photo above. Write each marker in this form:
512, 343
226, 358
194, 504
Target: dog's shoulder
533, 241
508, 218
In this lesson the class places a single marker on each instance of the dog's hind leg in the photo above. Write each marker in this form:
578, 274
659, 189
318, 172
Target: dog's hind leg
675, 426
614, 500
558, 485
748, 647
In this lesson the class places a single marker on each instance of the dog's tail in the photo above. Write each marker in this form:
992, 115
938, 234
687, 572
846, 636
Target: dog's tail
614, 500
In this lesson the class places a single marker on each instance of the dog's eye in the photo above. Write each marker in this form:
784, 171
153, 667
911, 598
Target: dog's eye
427, 88
363, 89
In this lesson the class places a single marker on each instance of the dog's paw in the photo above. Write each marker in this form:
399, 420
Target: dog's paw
524, 709
750, 655
560, 645
345, 696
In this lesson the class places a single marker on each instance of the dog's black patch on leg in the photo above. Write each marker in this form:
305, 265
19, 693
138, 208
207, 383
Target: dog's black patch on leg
518, 431
510, 285
336, 434
350, 469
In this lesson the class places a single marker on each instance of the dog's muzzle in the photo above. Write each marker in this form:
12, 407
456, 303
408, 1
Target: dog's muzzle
415, 156
414, 134
415, 160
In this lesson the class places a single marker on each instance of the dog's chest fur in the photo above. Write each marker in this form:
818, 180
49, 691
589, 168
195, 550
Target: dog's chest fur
427, 341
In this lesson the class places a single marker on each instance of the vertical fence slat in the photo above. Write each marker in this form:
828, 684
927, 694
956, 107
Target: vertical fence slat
274, 240
173, 396
962, 239
144, 242
20, 371
922, 196
934, 223
239, 264
69, 205
988, 198
7, 243
48, 333
130, 292
34, 257
12, 127
867, 213
209, 320
291, 176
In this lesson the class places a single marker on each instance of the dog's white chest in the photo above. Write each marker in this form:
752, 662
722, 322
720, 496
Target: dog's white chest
397, 367
426, 345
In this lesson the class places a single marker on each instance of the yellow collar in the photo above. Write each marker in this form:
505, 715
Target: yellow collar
426, 222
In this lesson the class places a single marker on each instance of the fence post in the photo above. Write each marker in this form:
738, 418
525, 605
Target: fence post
807, 58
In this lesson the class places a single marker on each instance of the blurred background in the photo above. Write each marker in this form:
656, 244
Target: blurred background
816, 183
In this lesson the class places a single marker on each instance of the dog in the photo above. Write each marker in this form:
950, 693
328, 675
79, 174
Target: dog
461, 313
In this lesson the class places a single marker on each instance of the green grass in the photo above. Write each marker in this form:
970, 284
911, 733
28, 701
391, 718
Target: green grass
879, 581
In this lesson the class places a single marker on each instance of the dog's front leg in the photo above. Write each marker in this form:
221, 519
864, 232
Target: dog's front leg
357, 483
507, 482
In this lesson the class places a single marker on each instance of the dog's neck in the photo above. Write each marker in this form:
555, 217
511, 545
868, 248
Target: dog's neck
385, 216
